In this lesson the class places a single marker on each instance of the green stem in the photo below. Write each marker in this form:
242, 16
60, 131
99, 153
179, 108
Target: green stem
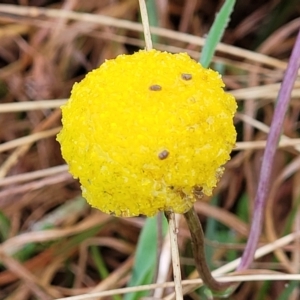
197, 237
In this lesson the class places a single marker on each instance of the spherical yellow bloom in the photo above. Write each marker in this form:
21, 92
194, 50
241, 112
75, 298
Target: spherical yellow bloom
147, 132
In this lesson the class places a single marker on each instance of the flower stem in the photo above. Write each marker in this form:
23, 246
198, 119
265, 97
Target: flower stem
197, 237
175, 254
269, 154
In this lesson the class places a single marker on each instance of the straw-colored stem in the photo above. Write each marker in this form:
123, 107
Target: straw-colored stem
197, 237
175, 254
145, 22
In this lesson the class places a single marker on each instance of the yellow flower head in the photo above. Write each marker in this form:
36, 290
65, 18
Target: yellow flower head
148, 132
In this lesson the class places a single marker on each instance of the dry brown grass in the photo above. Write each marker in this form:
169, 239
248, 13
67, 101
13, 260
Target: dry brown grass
43, 51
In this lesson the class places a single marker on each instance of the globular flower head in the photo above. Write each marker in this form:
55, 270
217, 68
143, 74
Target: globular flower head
148, 132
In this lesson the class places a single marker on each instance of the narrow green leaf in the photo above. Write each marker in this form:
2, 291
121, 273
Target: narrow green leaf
99, 262
288, 290
216, 32
263, 290
101, 266
4, 226
153, 17
145, 257
242, 210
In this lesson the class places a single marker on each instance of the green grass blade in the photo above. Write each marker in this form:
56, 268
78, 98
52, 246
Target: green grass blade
145, 257
242, 210
153, 18
216, 32
4, 227
290, 287
99, 262
101, 266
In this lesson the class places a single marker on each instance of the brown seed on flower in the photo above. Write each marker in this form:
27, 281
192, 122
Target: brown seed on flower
155, 87
198, 191
163, 155
186, 76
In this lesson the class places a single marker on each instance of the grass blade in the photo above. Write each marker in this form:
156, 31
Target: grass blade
216, 32
145, 258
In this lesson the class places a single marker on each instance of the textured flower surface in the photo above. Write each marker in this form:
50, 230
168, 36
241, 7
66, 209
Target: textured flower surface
148, 132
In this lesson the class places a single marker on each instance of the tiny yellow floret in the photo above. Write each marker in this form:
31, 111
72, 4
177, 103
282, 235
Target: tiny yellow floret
148, 132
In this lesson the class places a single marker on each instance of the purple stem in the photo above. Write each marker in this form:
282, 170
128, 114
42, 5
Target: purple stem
268, 158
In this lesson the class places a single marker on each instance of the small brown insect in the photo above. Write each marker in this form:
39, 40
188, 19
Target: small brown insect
186, 76
155, 87
163, 155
